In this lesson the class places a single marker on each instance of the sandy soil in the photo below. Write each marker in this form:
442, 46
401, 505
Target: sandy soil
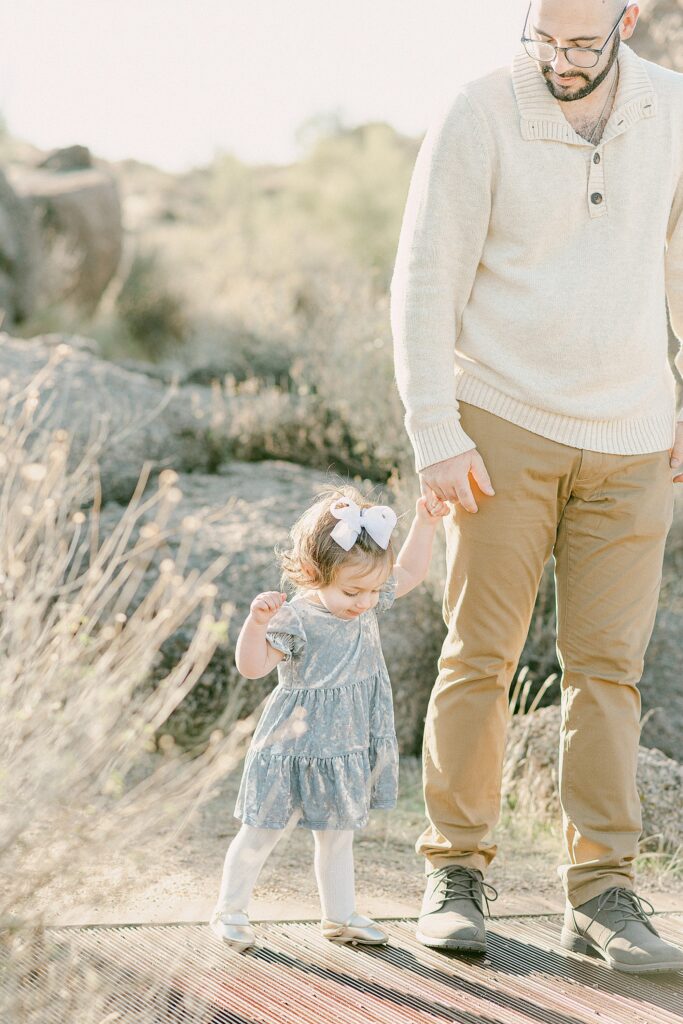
178, 880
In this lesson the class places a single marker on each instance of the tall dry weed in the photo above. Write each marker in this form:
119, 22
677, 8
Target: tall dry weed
77, 713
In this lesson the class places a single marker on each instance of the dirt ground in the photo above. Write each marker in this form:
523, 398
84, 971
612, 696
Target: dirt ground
177, 878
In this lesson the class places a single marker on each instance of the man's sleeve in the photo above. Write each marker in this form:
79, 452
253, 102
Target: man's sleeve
445, 223
674, 276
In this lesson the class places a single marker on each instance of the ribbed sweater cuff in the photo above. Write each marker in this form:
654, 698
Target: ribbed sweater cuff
613, 435
439, 441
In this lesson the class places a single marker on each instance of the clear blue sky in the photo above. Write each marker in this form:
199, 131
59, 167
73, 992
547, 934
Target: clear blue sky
172, 81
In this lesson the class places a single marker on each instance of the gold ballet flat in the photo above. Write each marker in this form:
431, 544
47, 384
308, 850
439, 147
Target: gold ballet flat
357, 930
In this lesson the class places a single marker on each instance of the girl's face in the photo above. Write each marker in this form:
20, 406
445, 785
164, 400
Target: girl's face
354, 591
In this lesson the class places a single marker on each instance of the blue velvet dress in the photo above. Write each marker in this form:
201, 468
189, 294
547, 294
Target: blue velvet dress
325, 746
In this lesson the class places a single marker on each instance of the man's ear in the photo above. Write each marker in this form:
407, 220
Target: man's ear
627, 28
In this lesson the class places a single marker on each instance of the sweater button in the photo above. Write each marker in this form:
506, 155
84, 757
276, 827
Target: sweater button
596, 158
596, 198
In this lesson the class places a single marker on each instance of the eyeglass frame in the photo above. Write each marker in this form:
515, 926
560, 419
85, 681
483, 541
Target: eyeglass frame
586, 49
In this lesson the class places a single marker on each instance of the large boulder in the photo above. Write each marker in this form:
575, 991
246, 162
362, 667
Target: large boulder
257, 503
132, 418
530, 779
78, 210
70, 158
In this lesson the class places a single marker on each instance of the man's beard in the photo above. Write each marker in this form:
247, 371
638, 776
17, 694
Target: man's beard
591, 84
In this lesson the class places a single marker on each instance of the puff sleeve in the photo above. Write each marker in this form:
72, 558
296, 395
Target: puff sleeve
286, 632
387, 594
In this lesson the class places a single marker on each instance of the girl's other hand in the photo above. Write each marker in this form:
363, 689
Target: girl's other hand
430, 510
264, 606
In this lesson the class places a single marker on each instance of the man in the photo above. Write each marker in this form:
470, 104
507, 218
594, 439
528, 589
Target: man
541, 241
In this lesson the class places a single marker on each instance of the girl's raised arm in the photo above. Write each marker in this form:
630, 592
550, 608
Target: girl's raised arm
412, 564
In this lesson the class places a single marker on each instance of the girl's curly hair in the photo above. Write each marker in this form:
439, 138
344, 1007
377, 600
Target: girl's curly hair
311, 544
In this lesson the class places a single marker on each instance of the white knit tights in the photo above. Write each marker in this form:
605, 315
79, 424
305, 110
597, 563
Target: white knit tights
333, 865
332, 862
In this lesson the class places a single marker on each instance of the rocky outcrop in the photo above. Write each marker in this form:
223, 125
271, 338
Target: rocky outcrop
131, 417
70, 158
139, 415
77, 209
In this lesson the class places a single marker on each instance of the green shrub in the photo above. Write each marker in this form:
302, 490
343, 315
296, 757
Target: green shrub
151, 313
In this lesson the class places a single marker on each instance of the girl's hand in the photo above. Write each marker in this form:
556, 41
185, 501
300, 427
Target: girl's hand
430, 510
264, 606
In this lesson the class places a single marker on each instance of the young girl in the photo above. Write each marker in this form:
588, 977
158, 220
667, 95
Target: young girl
324, 751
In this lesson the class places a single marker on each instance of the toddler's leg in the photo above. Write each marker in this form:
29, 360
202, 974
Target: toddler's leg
333, 863
246, 856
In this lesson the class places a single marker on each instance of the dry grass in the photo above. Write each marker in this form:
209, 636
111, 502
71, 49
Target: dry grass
75, 716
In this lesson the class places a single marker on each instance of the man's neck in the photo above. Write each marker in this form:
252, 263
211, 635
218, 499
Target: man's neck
588, 114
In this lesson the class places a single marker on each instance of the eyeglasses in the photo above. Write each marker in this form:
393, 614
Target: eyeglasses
579, 56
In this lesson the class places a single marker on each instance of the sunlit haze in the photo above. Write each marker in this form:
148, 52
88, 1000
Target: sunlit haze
172, 81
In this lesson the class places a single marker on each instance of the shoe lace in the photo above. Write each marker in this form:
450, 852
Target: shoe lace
630, 905
459, 882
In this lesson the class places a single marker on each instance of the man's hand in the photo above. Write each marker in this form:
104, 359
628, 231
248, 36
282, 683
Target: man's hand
449, 479
677, 452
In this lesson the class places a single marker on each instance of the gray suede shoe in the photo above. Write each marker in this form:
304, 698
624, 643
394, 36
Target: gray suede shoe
614, 926
452, 916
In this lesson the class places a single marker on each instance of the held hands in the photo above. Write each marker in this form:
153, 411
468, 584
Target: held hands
449, 480
264, 606
430, 510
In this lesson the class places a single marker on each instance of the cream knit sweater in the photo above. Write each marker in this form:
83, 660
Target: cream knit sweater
533, 269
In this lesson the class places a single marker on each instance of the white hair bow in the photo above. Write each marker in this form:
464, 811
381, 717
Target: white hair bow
378, 520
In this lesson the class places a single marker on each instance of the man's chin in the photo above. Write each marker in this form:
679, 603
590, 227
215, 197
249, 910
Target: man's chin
574, 89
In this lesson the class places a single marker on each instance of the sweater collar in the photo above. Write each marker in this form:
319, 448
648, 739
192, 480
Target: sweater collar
541, 115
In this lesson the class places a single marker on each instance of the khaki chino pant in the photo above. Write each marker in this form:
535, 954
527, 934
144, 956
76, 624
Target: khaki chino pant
605, 519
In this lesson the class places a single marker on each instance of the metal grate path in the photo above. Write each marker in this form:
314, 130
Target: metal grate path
181, 973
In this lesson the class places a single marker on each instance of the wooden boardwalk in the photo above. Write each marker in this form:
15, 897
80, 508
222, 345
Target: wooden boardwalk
182, 973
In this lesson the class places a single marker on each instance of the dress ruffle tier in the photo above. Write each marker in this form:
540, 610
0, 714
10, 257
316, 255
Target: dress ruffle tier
337, 791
